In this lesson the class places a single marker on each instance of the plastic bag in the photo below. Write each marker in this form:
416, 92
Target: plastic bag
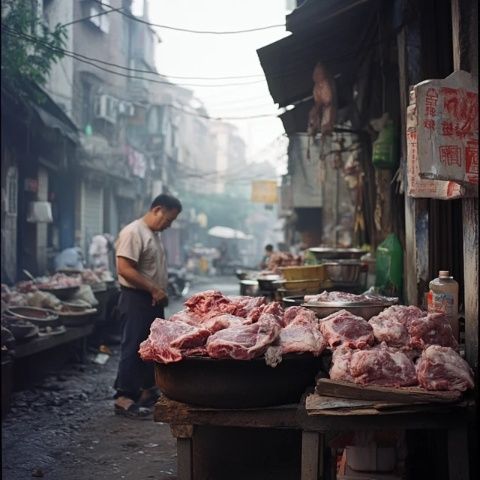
389, 267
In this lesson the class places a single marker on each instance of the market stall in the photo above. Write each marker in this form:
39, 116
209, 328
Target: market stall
44, 313
374, 364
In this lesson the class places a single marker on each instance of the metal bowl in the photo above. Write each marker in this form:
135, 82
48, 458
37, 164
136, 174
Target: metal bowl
322, 253
38, 316
364, 310
62, 293
235, 383
344, 271
293, 300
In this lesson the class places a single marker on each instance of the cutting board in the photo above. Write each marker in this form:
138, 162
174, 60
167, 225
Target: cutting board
347, 390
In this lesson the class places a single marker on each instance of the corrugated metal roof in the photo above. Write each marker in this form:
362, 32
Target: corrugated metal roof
337, 33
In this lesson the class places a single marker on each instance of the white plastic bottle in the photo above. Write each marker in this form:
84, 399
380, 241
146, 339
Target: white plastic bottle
443, 297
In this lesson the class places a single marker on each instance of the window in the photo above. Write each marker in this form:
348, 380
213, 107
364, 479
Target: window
12, 190
138, 8
102, 22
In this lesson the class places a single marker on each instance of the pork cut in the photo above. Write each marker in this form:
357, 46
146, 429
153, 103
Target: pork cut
244, 342
433, 329
186, 316
344, 328
348, 297
302, 335
225, 320
273, 308
340, 369
210, 303
412, 328
168, 340
298, 314
389, 330
382, 365
246, 304
441, 368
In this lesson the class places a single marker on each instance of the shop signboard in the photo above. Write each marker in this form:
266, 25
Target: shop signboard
418, 187
265, 191
446, 117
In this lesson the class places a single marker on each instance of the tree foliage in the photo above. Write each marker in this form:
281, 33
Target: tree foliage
29, 47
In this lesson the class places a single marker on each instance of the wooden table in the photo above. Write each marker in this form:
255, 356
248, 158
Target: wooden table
183, 420
315, 423
40, 344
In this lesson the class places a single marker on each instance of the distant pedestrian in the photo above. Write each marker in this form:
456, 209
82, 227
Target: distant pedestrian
142, 274
266, 256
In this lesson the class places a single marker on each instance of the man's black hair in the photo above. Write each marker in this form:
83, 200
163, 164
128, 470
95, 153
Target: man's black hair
167, 201
269, 248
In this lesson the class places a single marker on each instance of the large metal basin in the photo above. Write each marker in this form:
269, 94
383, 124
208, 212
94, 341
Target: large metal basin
364, 310
237, 384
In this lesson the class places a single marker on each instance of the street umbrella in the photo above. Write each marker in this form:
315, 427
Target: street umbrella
227, 233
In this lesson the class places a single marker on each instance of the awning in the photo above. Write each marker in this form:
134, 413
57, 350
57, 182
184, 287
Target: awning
338, 33
55, 123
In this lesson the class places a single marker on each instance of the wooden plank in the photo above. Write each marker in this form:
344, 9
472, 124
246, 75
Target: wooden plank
470, 273
462, 60
336, 388
312, 453
458, 461
184, 459
182, 431
170, 411
319, 402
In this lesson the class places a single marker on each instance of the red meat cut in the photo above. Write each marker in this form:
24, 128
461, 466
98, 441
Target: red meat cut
244, 342
441, 368
434, 329
344, 328
168, 340
301, 333
382, 365
340, 369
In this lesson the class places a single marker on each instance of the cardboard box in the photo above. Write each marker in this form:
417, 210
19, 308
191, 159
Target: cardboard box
371, 458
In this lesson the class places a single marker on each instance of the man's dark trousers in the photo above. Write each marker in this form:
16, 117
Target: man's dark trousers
136, 314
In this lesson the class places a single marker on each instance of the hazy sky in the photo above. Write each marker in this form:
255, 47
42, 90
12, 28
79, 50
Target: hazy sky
200, 55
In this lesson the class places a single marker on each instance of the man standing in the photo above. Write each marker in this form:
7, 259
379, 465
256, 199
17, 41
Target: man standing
142, 274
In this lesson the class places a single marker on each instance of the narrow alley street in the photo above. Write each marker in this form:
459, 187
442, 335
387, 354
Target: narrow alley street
64, 427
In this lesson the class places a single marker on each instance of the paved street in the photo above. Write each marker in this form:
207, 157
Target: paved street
64, 427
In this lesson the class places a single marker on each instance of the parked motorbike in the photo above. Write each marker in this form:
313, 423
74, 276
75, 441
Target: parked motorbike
179, 282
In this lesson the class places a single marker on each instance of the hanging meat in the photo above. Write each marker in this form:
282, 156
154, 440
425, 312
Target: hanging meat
321, 118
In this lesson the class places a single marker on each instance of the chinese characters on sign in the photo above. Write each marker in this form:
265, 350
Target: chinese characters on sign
419, 187
446, 123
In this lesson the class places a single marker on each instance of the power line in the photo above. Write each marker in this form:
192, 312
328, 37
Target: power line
197, 114
127, 14
91, 16
122, 67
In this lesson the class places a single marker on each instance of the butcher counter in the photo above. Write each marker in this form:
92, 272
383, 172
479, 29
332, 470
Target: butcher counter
202, 432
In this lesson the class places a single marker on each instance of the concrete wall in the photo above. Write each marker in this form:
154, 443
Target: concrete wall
60, 83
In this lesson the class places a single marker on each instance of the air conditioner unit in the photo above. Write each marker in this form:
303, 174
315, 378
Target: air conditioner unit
106, 108
126, 108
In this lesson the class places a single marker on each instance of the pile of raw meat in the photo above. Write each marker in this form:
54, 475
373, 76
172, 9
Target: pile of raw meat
401, 346
346, 297
240, 328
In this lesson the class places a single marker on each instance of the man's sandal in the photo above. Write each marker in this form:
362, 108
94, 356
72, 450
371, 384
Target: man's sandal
150, 400
133, 411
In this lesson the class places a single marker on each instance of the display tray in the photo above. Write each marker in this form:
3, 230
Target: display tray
235, 383
62, 293
364, 310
